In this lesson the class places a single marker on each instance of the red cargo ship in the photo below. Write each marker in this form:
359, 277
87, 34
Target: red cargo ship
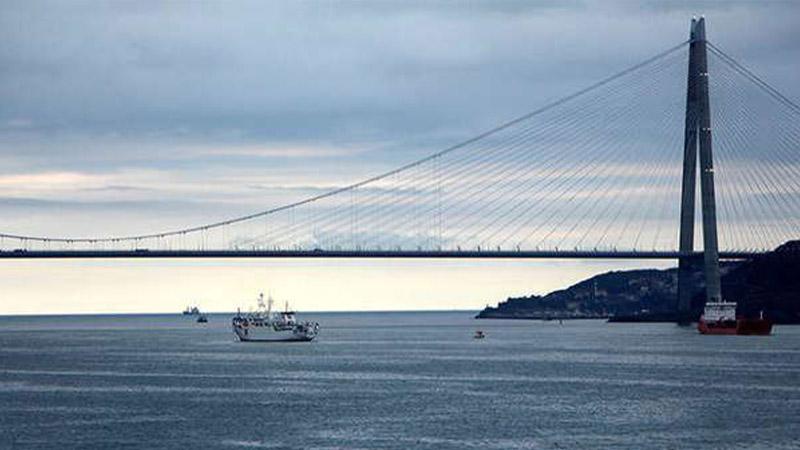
720, 318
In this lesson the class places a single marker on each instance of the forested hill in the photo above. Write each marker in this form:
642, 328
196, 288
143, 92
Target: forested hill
770, 282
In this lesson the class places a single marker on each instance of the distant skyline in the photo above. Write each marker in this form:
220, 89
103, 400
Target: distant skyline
134, 117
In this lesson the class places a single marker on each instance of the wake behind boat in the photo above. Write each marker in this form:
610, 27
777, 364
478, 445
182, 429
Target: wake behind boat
264, 325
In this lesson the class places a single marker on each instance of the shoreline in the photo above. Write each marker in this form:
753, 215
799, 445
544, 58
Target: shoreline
178, 313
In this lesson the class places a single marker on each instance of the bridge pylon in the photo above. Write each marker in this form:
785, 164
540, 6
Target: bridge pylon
697, 139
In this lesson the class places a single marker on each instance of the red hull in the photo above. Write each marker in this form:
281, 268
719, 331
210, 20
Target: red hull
742, 326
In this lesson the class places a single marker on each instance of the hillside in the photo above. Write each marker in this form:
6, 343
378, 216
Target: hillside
769, 283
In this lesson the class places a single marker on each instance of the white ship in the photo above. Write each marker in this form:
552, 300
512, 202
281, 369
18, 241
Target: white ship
265, 325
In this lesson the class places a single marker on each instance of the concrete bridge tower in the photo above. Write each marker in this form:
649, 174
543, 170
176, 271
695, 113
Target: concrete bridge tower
697, 136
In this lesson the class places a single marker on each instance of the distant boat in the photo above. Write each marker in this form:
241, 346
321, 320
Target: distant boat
721, 318
191, 311
479, 334
265, 325
202, 318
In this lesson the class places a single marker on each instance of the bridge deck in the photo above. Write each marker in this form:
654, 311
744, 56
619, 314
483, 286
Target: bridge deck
407, 254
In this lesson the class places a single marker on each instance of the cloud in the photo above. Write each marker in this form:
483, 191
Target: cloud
16, 123
266, 151
253, 104
48, 180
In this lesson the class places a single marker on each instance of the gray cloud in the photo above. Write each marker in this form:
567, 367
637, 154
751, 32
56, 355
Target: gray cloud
109, 87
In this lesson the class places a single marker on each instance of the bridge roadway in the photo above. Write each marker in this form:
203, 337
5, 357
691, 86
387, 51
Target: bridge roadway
407, 254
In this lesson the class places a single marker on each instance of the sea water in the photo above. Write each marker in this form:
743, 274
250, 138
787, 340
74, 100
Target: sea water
393, 381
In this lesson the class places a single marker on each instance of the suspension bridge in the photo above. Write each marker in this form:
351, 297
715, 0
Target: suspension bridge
606, 172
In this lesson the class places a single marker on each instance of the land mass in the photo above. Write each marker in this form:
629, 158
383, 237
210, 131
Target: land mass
768, 283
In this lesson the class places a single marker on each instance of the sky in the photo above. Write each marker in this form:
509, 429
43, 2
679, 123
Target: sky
133, 117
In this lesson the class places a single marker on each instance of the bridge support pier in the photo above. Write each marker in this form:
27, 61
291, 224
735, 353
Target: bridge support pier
687, 287
697, 135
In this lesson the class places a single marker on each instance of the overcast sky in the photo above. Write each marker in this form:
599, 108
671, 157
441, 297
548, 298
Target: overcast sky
119, 117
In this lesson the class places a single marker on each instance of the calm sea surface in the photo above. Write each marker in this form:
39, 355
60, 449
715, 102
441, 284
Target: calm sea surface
393, 381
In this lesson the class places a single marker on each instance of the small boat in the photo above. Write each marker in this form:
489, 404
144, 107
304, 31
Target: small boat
721, 318
191, 311
202, 318
265, 325
479, 334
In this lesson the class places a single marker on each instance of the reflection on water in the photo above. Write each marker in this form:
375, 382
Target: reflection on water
394, 381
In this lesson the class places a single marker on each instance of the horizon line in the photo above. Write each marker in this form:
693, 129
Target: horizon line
179, 313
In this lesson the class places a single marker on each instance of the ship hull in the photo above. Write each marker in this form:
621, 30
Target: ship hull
754, 327
267, 334
741, 327
291, 339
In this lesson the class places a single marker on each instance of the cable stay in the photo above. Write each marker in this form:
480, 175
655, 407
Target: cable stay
595, 172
